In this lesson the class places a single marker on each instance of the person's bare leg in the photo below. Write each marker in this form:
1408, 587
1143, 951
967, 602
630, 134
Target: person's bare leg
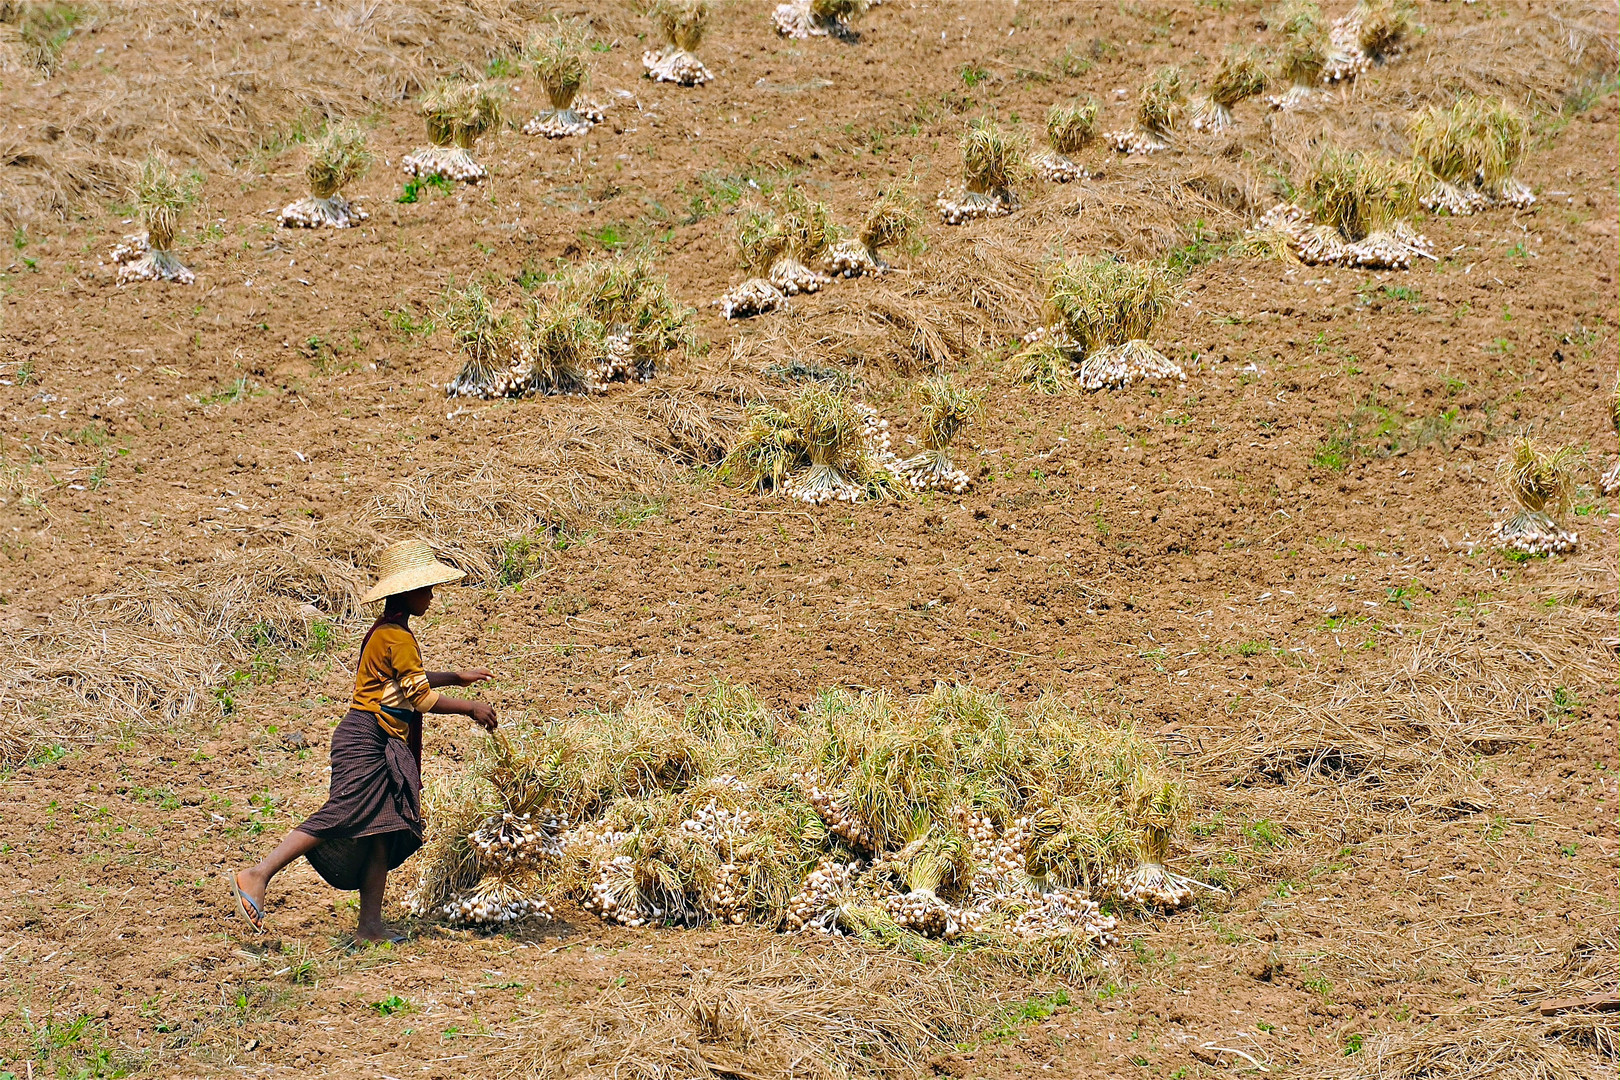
256, 879
371, 926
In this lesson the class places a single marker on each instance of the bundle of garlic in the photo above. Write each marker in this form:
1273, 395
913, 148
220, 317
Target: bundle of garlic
1101, 312
949, 409
1064, 912
820, 901
510, 840
336, 159
755, 296
1303, 55
495, 900
891, 220
1162, 102
844, 442
456, 114
1356, 215
817, 18
924, 913
683, 23
991, 163
1069, 130
1238, 76
159, 196
1153, 885
1468, 153
1001, 867
1371, 33
837, 817
560, 60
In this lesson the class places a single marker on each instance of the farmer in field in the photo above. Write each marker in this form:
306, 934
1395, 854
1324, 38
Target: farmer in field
372, 820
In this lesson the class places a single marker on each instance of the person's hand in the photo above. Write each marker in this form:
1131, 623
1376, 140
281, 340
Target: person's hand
483, 715
475, 675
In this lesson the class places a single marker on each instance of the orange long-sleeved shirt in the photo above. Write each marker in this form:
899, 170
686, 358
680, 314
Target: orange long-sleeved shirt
390, 673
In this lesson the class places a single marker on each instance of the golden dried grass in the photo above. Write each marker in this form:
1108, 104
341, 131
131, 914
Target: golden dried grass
1496, 1048
1403, 737
826, 1013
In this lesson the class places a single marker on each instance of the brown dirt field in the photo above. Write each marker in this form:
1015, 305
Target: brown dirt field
1400, 742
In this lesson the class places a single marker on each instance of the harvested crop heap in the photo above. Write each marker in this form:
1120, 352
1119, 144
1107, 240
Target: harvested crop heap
1609, 482
1238, 77
1469, 153
682, 23
949, 409
780, 247
1303, 55
608, 322
1540, 485
1101, 312
1372, 33
823, 448
1355, 212
457, 113
1161, 104
818, 18
560, 61
949, 816
990, 166
159, 198
891, 221
335, 159
1069, 130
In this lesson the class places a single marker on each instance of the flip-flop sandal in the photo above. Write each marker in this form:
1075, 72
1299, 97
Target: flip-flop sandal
246, 906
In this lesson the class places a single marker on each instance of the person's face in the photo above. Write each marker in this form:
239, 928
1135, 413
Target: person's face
417, 600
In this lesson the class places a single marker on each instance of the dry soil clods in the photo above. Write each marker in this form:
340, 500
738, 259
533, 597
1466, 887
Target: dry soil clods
1303, 54
1238, 77
457, 113
335, 159
949, 409
1371, 34
990, 167
560, 60
1540, 485
682, 23
891, 221
1469, 153
1070, 129
818, 18
159, 198
1161, 104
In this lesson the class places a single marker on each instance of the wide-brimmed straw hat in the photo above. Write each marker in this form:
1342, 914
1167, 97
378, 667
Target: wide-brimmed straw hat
408, 565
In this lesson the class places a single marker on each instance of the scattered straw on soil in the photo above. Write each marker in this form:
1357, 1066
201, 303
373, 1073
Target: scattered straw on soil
832, 1012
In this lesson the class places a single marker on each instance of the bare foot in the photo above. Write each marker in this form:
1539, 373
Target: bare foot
253, 883
377, 935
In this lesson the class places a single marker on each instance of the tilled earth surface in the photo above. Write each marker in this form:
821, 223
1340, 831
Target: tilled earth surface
1296, 537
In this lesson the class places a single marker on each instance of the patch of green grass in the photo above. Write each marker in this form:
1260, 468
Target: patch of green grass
972, 75
231, 393
610, 237
1036, 1008
520, 560
1264, 834
406, 322
1201, 248
1256, 648
390, 1005
1334, 454
416, 185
